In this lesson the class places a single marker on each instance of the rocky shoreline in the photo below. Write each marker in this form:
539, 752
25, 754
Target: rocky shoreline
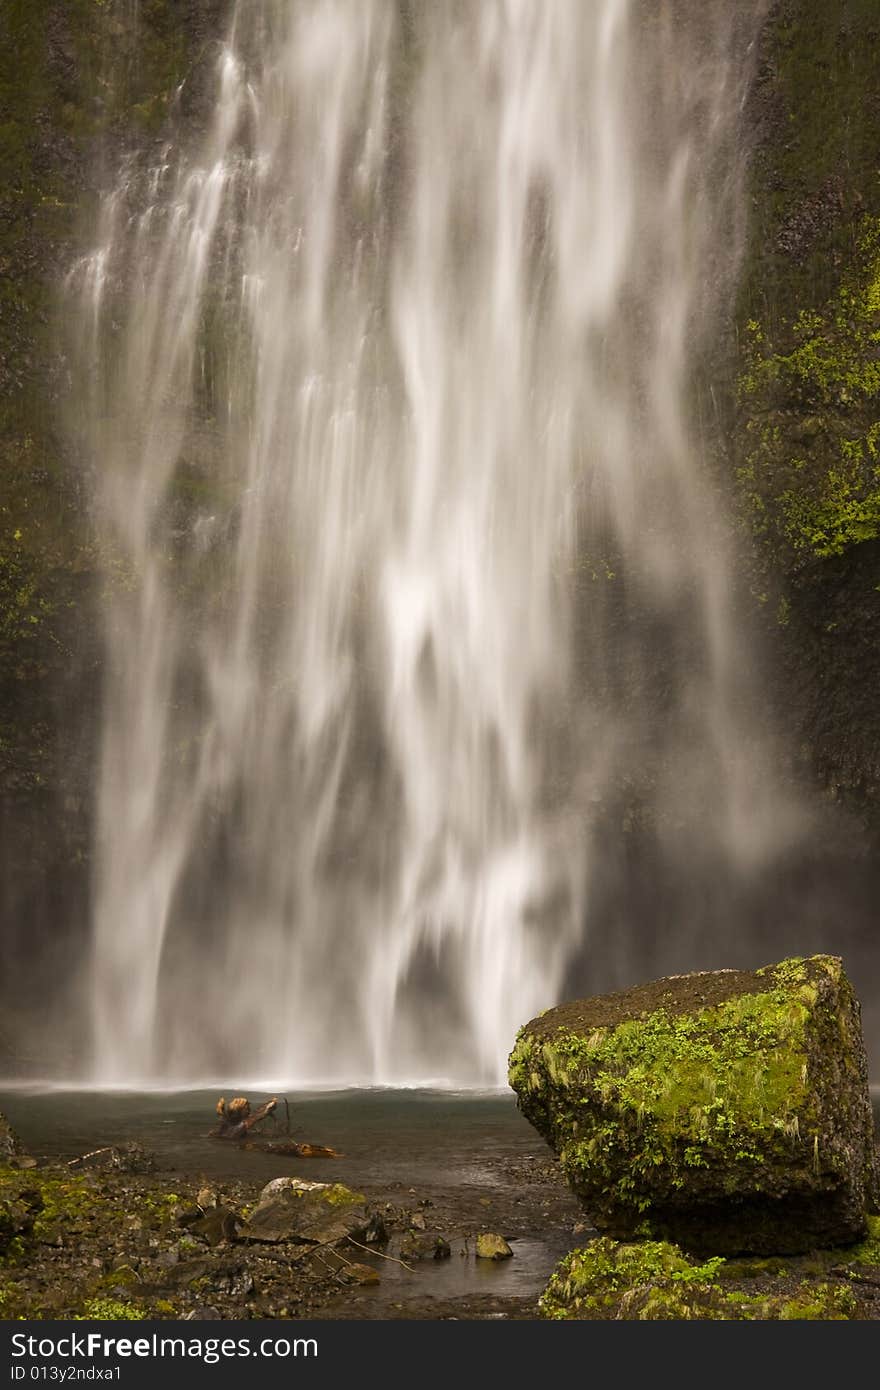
103, 1242
116, 1241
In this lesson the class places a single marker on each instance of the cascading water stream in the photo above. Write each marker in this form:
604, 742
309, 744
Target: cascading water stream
381, 368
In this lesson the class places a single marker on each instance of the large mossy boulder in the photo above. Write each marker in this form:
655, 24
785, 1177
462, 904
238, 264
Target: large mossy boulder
727, 1111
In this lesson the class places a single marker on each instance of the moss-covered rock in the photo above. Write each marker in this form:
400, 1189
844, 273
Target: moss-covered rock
655, 1281
307, 1215
492, 1247
728, 1110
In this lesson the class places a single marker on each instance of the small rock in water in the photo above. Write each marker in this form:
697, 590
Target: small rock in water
492, 1247
376, 1232
417, 1221
423, 1245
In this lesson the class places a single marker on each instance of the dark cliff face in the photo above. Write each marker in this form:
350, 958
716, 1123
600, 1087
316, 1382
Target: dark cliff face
804, 455
80, 81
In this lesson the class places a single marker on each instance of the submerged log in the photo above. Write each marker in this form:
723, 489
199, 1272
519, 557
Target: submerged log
289, 1148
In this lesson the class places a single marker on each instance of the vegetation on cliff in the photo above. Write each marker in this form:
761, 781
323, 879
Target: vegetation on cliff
803, 446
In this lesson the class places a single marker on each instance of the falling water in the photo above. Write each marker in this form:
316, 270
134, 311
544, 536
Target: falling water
388, 406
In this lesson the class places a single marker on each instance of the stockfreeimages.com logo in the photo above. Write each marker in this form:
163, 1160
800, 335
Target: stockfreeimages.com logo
209, 1349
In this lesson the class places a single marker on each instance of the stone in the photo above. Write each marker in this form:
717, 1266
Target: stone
417, 1221
216, 1226
17, 1217
423, 1245
277, 1185
122, 1158
492, 1247
319, 1216
727, 1111
13, 1154
376, 1232
206, 1198
185, 1216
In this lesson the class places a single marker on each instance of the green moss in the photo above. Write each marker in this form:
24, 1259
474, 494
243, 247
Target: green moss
654, 1280
867, 1252
336, 1195
110, 1308
158, 1209
61, 1203
122, 1278
810, 480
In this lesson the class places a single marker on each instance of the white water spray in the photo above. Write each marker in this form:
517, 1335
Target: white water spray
388, 375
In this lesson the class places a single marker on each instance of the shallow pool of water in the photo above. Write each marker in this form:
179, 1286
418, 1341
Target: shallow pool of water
386, 1136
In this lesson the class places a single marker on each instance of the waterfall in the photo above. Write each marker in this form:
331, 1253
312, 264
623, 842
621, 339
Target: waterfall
398, 492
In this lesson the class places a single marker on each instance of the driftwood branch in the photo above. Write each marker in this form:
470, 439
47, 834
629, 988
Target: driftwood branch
392, 1258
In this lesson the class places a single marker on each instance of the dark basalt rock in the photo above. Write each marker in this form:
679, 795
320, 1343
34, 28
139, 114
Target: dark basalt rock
727, 1111
13, 1153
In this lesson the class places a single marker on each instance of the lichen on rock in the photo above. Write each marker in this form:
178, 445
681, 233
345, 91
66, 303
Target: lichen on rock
728, 1110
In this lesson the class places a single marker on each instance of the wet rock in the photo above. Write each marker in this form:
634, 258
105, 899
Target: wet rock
492, 1247
279, 1185
187, 1216
126, 1158
207, 1198
423, 1245
17, 1216
417, 1221
186, 1272
234, 1281
376, 1232
216, 1226
316, 1216
728, 1111
13, 1153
